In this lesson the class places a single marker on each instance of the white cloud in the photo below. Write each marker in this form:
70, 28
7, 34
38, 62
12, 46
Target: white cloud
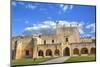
61, 5
81, 27
81, 31
43, 25
91, 27
51, 25
71, 6
66, 7
28, 28
30, 6
14, 3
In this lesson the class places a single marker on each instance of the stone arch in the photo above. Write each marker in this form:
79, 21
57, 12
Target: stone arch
48, 52
84, 51
27, 53
40, 53
93, 50
57, 52
66, 52
76, 51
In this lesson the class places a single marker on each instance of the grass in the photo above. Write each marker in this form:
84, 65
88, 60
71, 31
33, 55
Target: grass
29, 61
81, 59
24, 61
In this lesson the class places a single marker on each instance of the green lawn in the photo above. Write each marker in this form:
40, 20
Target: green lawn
29, 61
81, 59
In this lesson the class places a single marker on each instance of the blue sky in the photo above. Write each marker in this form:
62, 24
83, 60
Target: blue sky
31, 17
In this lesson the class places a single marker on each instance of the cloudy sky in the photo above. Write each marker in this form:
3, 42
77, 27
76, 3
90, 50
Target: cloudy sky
32, 18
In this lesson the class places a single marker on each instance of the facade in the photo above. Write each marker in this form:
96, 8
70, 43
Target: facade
65, 42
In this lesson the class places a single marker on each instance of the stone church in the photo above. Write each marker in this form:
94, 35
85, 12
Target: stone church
65, 42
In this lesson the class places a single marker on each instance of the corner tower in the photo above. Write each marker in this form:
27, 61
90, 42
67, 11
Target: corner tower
67, 33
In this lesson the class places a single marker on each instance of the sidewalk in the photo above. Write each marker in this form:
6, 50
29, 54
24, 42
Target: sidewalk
56, 60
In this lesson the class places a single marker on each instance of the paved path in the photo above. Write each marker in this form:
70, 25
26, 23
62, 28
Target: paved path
56, 60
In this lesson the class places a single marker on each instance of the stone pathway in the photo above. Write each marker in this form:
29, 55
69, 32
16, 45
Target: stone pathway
56, 60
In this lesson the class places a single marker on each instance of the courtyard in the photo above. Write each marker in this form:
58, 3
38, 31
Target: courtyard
50, 60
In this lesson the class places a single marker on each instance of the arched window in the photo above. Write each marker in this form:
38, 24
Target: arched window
66, 39
48, 52
84, 51
66, 52
76, 51
40, 53
57, 52
52, 41
39, 36
44, 41
27, 52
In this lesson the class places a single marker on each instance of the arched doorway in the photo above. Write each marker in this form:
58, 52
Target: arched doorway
48, 52
27, 54
40, 53
93, 50
57, 52
84, 51
66, 52
76, 51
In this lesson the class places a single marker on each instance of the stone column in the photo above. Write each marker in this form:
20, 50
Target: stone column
89, 50
35, 52
79, 52
61, 53
44, 53
71, 50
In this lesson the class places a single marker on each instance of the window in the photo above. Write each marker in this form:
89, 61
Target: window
40, 53
39, 36
44, 41
27, 52
52, 41
66, 39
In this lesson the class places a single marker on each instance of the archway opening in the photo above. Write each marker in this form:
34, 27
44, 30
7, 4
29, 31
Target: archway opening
76, 51
66, 52
40, 53
57, 52
48, 52
84, 51
93, 51
27, 53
